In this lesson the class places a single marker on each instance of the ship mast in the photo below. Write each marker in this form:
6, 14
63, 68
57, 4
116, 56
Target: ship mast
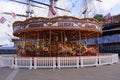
29, 12
86, 7
53, 2
28, 9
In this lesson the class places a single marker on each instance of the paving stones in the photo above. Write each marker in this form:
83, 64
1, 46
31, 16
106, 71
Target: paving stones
108, 72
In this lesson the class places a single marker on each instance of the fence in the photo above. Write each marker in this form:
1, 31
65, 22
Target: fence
7, 62
23, 62
57, 62
45, 62
68, 62
115, 58
89, 61
105, 59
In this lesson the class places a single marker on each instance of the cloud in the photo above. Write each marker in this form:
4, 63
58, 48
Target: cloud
4, 39
109, 4
64, 4
106, 5
11, 7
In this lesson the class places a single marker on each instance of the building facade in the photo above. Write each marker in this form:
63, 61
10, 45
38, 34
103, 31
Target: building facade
110, 40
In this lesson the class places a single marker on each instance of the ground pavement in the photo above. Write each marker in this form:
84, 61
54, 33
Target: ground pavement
107, 72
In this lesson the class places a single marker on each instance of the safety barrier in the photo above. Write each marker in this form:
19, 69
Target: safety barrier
45, 62
89, 61
105, 59
23, 62
57, 62
68, 62
7, 62
115, 58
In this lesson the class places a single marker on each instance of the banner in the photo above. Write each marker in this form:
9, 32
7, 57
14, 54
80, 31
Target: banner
3, 20
14, 15
51, 9
108, 17
84, 11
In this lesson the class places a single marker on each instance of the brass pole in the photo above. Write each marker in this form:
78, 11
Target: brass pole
62, 37
98, 44
86, 39
24, 40
80, 36
50, 41
80, 41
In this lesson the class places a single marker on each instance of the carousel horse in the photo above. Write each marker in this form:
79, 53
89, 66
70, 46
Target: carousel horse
20, 50
78, 48
46, 51
61, 49
90, 51
69, 51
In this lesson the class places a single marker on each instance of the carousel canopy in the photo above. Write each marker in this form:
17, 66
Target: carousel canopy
30, 28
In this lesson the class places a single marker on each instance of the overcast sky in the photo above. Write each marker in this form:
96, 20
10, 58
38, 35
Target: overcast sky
75, 6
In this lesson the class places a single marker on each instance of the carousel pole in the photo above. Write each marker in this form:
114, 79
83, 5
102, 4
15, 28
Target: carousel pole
38, 44
98, 44
62, 37
44, 37
50, 41
80, 37
38, 36
80, 40
24, 40
85, 38
64, 41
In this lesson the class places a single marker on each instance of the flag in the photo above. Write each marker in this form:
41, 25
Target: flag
108, 17
13, 14
2, 20
51, 9
84, 11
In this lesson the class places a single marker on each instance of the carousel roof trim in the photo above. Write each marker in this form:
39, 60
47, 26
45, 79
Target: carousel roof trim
56, 17
36, 18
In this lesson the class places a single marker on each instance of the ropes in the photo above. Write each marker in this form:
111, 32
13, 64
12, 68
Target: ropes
73, 4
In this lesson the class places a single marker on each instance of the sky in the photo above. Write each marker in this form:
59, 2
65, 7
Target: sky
75, 6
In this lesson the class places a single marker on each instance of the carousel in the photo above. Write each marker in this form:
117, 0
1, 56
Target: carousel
57, 36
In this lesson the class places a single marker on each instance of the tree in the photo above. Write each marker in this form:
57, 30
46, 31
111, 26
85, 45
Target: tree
99, 17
